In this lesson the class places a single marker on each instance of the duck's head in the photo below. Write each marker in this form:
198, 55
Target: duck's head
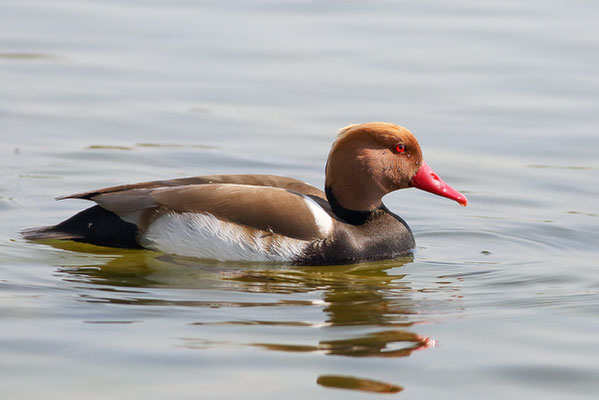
367, 161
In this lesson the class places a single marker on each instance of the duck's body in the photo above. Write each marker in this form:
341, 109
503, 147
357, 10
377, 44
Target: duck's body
266, 217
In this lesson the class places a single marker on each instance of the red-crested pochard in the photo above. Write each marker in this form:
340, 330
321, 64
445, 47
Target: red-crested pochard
267, 217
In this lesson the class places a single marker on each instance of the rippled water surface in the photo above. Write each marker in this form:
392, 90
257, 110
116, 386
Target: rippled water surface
499, 300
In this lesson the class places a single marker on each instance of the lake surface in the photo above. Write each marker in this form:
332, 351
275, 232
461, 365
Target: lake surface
499, 300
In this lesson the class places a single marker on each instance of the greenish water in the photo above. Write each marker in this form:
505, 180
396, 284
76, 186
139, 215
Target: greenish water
500, 299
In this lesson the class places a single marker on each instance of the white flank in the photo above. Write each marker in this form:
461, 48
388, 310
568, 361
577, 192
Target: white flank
321, 218
205, 236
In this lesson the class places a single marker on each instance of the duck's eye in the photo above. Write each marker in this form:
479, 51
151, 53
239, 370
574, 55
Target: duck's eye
400, 148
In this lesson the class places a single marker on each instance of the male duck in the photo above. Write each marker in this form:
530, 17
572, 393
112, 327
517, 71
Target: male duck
267, 217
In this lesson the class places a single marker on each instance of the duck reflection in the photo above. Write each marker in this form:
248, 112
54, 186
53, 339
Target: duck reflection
372, 300
375, 344
354, 295
353, 383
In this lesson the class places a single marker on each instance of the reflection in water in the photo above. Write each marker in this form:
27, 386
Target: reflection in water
391, 343
348, 382
372, 298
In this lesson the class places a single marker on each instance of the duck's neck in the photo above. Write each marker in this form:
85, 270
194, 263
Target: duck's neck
355, 181
354, 217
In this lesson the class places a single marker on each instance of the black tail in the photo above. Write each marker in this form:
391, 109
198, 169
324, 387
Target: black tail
94, 225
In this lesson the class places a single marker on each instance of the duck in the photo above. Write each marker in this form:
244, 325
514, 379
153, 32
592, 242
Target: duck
269, 218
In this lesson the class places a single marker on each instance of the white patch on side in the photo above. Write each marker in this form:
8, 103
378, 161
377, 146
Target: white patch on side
321, 218
205, 236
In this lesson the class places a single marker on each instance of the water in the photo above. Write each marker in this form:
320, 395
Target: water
500, 299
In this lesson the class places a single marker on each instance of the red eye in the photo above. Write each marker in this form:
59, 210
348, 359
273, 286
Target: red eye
400, 148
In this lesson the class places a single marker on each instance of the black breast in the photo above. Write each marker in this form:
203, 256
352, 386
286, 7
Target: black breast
382, 236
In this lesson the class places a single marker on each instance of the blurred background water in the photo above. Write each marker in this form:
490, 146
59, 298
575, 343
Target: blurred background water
499, 299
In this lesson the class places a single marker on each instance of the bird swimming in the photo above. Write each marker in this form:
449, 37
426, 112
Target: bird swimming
267, 217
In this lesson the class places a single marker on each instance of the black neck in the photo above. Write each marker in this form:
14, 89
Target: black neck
354, 217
